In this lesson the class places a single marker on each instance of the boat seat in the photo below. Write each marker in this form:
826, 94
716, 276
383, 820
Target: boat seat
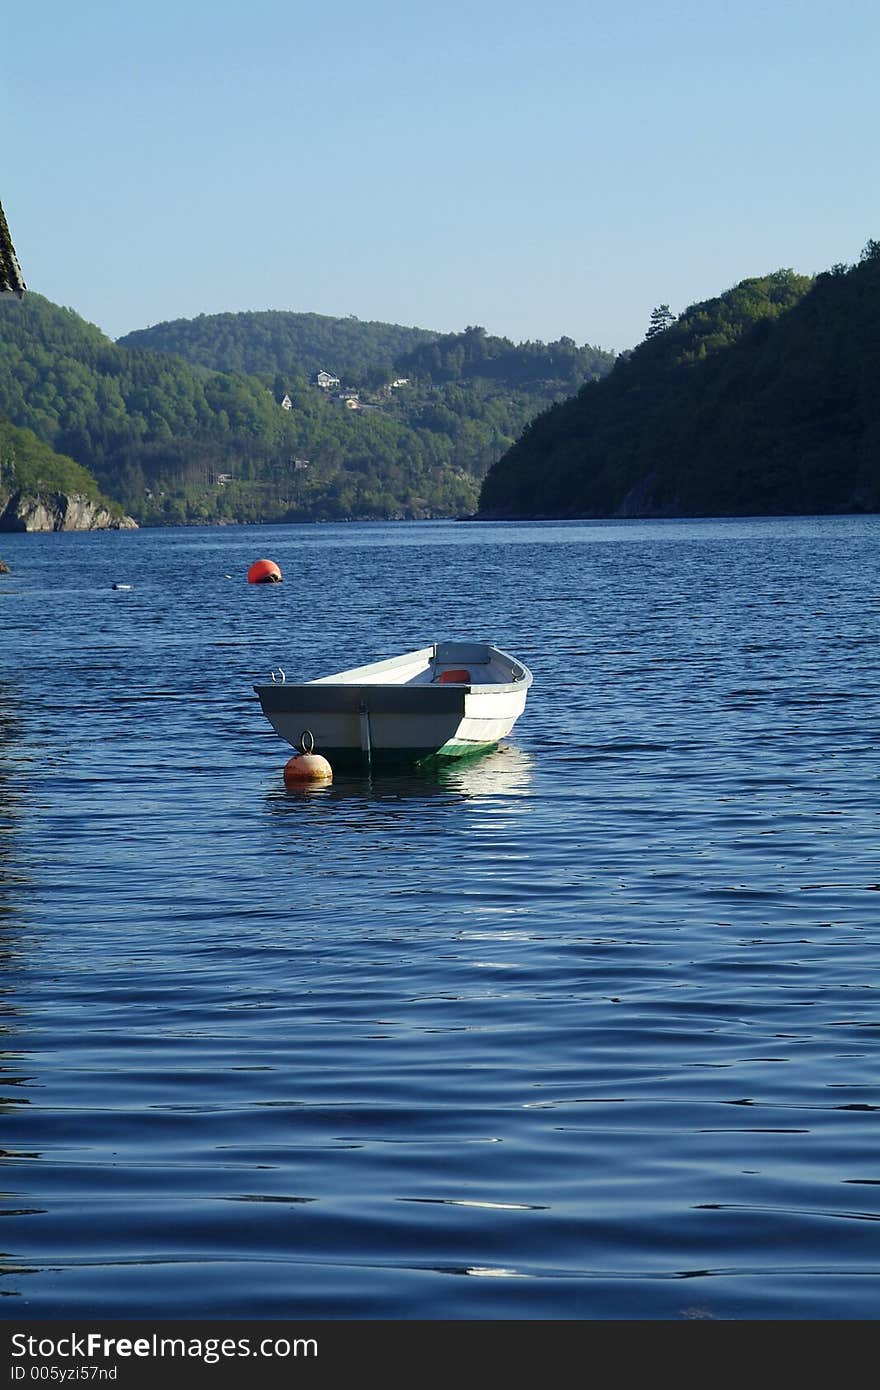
457, 676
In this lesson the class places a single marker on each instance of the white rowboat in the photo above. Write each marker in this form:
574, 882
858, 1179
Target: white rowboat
449, 700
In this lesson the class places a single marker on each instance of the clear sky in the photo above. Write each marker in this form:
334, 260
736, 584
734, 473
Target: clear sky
538, 169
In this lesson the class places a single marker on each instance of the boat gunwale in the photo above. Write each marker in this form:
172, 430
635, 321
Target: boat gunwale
337, 681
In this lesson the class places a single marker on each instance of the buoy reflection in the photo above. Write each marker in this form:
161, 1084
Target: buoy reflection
504, 773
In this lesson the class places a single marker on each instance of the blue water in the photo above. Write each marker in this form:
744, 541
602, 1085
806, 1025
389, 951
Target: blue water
587, 1028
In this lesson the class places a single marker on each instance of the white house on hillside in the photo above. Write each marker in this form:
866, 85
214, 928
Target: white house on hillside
326, 381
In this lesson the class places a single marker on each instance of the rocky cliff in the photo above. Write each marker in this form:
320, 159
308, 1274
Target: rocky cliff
59, 511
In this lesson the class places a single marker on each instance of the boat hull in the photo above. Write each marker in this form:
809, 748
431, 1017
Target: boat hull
364, 717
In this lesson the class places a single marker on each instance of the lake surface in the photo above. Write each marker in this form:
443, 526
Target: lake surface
587, 1028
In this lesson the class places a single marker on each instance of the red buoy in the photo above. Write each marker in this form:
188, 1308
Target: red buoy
264, 572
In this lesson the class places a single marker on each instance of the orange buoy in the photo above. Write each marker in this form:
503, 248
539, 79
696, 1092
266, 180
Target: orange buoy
307, 766
264, 572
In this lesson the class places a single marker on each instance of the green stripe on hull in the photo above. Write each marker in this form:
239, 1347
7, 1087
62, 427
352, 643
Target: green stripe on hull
355, 759
460, 750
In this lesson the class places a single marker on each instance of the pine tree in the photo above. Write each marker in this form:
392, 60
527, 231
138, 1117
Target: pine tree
661, 318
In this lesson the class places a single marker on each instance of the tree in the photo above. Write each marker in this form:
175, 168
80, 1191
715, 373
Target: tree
661, 318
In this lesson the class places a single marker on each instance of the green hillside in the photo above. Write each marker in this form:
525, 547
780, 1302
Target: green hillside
175, 441
765, 400
366, 354
281, 341
30, 466
31, 473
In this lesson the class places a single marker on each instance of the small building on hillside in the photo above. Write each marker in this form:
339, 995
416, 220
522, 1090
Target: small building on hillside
326, 381
287, 403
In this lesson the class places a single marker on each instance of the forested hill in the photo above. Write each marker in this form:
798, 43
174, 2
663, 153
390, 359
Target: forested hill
31, 470
176, 442
765, 400
281, 341
474, 355
368, 354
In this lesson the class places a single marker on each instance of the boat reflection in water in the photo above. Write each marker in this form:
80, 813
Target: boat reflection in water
506, 772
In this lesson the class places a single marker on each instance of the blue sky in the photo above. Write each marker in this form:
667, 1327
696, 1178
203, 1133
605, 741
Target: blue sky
539, 170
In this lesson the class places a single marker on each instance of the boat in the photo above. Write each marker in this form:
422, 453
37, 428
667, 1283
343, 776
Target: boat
448, 700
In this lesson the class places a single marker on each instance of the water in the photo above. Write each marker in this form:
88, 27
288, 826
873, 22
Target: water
587, 1028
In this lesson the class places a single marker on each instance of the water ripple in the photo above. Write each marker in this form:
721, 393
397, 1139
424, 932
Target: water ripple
583, 1029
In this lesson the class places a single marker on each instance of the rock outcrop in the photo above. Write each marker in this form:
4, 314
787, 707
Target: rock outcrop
59, 511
